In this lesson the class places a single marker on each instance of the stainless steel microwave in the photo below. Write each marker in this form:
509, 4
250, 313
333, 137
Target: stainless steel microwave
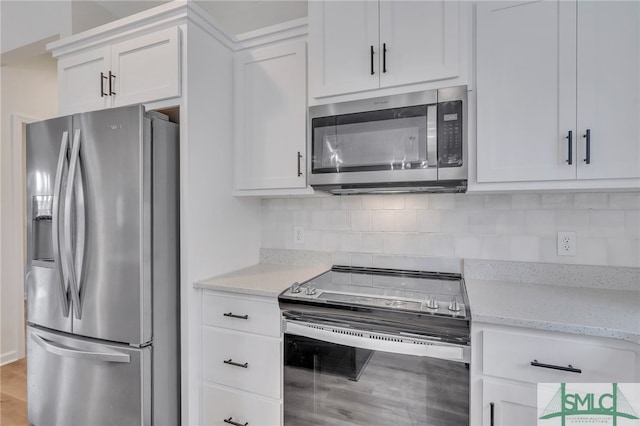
399, 143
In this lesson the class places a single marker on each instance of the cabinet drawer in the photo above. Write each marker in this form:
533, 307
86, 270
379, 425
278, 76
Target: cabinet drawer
261, 355
220, 404
229, 312
509, 355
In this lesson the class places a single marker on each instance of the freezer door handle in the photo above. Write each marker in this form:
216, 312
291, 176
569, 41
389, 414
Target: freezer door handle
74, 186
55, 219
63, 351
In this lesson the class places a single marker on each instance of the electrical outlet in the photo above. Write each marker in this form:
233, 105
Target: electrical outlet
566, 243
298, 234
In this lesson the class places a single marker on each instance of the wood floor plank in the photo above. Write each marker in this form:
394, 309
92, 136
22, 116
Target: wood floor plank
13, 394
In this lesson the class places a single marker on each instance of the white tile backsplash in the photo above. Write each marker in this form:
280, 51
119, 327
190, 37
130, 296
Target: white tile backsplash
556, 201
372, 202
607, 223
455, 222
361, 220
500, 227
382, 220
393, 202
627, 201
591, 201
417, 202
429, 221
540, 222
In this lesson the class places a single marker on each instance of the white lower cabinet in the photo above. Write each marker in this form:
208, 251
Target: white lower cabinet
241, 360
509, 404
226, 404
509, 362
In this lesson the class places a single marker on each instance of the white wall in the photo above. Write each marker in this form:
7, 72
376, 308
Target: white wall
380, 229
27, 22
29, 88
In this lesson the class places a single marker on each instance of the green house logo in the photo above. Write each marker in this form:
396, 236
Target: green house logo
582, 406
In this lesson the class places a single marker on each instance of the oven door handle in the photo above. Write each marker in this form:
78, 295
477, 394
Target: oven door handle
379, 342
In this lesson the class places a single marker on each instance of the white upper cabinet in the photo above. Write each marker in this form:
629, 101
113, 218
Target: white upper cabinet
525, 80
137, 70
419, 41
536, 102
270, 117
366, 45
343, 47
147, 68
81, 85
608, 89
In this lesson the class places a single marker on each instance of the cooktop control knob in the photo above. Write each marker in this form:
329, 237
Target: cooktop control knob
454, 306
310, 291
295, 287
432, 303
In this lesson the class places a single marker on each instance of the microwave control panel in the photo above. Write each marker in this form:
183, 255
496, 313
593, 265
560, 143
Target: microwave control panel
450, 134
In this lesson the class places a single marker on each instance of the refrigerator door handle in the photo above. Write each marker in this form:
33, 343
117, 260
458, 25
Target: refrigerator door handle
63, 351
55, 228
71, 264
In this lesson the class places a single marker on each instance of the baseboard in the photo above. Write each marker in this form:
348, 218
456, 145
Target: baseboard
8, 357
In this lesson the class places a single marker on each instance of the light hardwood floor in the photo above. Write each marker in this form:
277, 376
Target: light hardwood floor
13, 393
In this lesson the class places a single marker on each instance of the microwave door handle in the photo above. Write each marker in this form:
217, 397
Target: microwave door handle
432, 136
55, 222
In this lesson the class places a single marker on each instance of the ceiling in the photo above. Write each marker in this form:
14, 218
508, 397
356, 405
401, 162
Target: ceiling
234, 16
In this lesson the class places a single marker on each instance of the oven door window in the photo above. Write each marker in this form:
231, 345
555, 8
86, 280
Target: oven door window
330, 384
392, 139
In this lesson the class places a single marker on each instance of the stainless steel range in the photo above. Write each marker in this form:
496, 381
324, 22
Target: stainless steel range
367, 346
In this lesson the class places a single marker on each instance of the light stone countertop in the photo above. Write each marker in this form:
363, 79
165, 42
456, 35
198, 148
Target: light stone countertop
579, 310
262, 279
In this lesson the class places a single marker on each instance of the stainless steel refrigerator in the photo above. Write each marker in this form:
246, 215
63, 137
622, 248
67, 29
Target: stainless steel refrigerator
102, 274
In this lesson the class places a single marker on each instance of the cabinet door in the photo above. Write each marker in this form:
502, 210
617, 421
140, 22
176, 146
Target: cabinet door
513, 404
525, 91
270, 117
221, 406
81, 87
342, 35
419, 41
609, 89
147, 68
